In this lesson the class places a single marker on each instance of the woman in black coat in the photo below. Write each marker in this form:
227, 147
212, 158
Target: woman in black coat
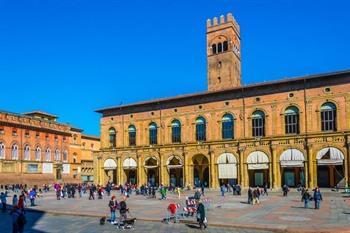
201, 218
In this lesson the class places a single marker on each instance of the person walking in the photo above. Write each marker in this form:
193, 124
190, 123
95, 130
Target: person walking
201, 218
18, 220
197, 194
3, 200
265, 190
222, 189
32, 195
15, 200
250, 195
178, 190
305, 198
317, 198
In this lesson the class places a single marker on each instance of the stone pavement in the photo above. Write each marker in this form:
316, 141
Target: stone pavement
275, 213
48, 223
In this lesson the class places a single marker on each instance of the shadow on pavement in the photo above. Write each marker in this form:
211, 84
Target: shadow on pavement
32, 218
193, 226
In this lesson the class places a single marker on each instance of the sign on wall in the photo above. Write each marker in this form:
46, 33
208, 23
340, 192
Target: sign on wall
47, 168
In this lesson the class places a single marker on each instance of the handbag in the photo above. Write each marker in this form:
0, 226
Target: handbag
205, 220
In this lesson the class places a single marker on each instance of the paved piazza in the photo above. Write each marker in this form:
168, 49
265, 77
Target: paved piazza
229, 214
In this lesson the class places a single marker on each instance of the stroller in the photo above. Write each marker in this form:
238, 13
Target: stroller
125, 222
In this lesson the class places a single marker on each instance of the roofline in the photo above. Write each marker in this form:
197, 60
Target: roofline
86, 136
40, 112
255, 85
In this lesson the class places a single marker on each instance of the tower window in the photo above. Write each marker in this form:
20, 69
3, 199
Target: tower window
219, 79
213, 47
219, 47
225, 45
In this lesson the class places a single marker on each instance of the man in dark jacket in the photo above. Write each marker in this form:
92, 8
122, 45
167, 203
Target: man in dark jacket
317, 197
201, 218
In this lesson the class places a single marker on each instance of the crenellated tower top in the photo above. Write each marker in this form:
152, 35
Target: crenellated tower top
223, 53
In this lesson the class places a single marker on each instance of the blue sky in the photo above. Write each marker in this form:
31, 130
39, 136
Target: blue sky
71, 57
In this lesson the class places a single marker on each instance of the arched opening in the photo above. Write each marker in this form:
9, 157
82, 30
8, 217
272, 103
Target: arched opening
175, 131
227, 126
110, 168
175, 168
201, 131
132, 135
130, 166
153, 134
258, 169
213, 48
112, 137
292, 168
330, 168
227, 169
291, 120
258, 124
152, 170
225, 45
220, 47
328, 117
200, 170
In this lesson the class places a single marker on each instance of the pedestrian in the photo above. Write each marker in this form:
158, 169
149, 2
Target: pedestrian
15, 200
305, 198
202, 189
317, 197
222, 189
285, 190
122, 210
178, 190
32, 195
18, 220
201, 218
250, 195
112, 206
265, 190
3, 197
91, 192
197, 194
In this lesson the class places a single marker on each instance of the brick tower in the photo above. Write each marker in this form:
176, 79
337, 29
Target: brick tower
223, 53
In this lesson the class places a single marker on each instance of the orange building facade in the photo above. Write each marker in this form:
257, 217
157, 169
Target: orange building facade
293, 131
36, 149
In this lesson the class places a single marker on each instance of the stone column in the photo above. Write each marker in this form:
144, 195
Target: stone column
241, 166
275, 171
139, 170
161, 169
119, 171
212, 174
346, 163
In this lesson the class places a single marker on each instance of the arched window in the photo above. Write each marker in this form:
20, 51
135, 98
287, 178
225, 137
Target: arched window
201, 129
37, 154
219, 47
291, 120
14, 152
26, 152
48, 154
57, 155
175, 131
65, 156
153, 133
225, 45
227, 126
328, 117
258, 124
2, 150
132, 135
112, 138
213, 48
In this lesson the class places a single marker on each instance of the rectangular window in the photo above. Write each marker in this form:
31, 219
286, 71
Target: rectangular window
176, 135
132, 138
227, 130
292, 124
153, 137
32, 168
14, 132
258, 127
200, 132
328, 120
26, 134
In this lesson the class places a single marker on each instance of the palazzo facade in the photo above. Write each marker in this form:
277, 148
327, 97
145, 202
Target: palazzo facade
35, 149
292, 131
